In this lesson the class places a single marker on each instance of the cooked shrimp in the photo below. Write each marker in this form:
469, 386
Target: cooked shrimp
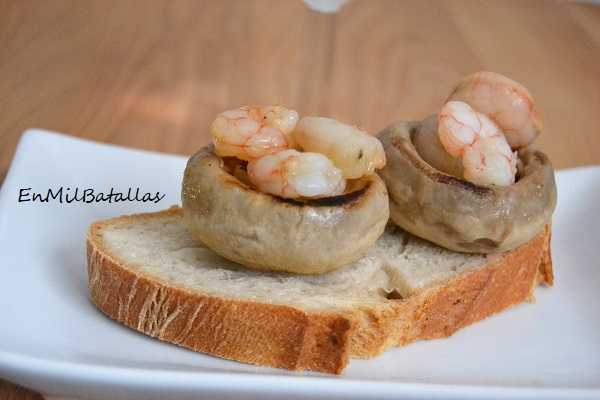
251, 132
429, 147
292, 174
472, 136
505, 101
350, 148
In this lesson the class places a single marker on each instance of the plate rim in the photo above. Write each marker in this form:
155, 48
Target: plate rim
13, 364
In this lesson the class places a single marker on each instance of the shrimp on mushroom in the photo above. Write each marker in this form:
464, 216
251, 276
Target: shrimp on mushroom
432, 161
487, 158
487, 117
350, 147
251, 132
292, 174
272, 202
506, 102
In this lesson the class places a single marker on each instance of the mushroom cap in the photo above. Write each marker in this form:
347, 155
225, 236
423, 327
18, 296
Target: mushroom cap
266, 232
457, 214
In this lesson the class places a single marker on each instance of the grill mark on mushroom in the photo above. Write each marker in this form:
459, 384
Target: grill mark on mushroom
457, 214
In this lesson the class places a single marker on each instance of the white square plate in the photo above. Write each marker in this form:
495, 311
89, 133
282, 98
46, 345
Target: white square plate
54, 340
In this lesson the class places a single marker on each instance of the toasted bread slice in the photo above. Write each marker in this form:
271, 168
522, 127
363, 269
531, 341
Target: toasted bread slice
148, 272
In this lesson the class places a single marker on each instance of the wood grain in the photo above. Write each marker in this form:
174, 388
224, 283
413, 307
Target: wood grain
10, 391
153, 74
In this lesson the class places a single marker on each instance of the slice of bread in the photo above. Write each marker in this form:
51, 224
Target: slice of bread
148, 272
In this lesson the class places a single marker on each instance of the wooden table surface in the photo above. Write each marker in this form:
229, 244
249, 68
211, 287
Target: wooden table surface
153, 74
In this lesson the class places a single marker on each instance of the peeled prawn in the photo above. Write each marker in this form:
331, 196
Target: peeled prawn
251, 132
465, 133
350, 148
503, 100
292, 174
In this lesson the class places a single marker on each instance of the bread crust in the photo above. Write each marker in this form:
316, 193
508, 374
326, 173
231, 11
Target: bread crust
254, 333
295, 339
443, 309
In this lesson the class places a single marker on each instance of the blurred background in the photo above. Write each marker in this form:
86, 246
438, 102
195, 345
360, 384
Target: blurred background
153, 74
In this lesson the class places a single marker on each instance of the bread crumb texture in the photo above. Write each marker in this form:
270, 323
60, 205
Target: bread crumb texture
148, 272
